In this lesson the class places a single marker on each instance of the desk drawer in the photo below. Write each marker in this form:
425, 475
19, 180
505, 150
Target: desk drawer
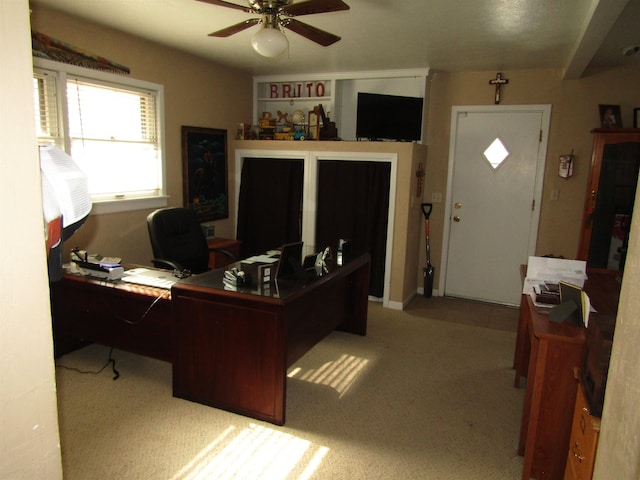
584, 441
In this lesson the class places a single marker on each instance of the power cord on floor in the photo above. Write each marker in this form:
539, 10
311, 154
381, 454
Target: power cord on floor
110, 361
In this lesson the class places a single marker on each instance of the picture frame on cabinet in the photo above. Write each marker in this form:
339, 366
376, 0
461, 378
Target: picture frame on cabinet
636, 118
204, 172
610, 116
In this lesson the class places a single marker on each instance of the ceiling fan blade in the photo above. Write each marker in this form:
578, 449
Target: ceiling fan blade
238, 27
313, 6
312, 33
221, 3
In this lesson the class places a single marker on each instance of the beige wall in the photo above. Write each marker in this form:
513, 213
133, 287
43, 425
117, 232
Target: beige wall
197, 93
28, 409
618, 453
574, 114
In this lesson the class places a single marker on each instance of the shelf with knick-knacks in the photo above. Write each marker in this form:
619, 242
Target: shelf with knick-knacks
284, 95
289, 100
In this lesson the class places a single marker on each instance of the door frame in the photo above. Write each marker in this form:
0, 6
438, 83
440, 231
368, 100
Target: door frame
545, 109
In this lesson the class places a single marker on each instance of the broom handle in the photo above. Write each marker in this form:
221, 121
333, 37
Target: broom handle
426, 210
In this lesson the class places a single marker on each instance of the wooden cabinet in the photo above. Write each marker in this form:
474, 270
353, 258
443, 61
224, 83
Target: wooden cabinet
548, 353
585, 430
610, 197
218, 259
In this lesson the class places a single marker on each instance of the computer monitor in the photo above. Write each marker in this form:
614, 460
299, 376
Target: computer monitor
290, 263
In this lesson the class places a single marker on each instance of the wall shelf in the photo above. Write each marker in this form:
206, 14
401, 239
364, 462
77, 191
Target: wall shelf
336, 92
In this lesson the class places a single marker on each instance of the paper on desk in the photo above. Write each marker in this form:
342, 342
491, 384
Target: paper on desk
261, 259
553, 270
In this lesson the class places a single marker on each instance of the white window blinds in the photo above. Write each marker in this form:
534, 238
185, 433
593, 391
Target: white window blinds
45, 99
111, 125
113, 133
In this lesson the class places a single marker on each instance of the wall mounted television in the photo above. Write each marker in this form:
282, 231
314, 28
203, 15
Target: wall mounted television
388, 117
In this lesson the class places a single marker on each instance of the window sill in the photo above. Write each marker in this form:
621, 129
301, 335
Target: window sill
115, 206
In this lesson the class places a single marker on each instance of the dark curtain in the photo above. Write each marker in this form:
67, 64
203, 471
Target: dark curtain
270, 204
353, 203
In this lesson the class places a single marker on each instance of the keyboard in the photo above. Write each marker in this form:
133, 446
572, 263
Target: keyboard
150, 278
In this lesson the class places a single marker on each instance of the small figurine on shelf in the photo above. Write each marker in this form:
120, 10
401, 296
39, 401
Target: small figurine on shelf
267, 126
283, 117
242, 131
300, 134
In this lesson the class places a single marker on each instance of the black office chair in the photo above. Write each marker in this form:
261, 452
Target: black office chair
178, 242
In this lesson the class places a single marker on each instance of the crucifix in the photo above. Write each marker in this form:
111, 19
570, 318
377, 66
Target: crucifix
498, 82
420, 177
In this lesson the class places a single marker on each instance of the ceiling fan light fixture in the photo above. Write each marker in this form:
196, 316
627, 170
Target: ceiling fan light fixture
270, 42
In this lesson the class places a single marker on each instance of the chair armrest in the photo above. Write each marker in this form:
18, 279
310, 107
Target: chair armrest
225, 252
166, 264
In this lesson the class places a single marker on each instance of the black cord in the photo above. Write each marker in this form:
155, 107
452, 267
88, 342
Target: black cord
144, 315
105, 302
110, 361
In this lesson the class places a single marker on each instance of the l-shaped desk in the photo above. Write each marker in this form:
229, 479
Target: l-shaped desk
228, 349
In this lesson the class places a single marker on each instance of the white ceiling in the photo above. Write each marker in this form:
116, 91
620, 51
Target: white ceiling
578, 36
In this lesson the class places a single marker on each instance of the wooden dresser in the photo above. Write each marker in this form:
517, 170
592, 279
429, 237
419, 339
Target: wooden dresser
547, 353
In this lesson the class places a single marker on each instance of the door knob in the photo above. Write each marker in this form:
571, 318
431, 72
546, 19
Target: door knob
457, 205
456, 218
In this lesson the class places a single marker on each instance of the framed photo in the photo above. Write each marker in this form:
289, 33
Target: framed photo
204, 172
610, 116
636, 118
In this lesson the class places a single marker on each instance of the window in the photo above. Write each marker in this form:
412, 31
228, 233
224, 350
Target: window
111, 126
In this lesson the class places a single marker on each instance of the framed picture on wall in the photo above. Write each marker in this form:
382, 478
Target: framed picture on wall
636, 118
204, 172
610, 116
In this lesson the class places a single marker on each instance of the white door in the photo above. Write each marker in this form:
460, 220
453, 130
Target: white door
496, 167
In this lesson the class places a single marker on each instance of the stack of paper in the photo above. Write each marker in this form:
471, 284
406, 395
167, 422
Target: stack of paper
546, 271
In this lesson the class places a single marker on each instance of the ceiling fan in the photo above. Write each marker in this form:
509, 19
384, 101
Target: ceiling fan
276, 15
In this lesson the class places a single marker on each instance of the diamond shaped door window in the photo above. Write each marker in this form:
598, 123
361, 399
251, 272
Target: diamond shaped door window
496, 153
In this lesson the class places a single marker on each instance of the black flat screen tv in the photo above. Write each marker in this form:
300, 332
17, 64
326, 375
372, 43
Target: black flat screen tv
388, 117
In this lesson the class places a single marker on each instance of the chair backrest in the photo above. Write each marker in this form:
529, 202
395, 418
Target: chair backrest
176, 235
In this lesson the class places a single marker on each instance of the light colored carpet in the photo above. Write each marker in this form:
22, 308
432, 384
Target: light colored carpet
427, 394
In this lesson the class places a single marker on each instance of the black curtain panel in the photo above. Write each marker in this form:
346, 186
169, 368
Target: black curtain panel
353, 203
270, 204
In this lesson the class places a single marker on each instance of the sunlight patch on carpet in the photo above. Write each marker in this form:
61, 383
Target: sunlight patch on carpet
339, 374
255, 452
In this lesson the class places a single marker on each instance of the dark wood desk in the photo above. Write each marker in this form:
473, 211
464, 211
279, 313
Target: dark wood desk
232, 348
229, 349
547, 354
122, 315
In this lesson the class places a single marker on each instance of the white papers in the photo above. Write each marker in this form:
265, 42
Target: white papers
150, 277
542, 270
265, 258
586, 309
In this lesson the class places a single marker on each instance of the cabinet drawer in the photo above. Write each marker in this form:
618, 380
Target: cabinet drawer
584, 441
